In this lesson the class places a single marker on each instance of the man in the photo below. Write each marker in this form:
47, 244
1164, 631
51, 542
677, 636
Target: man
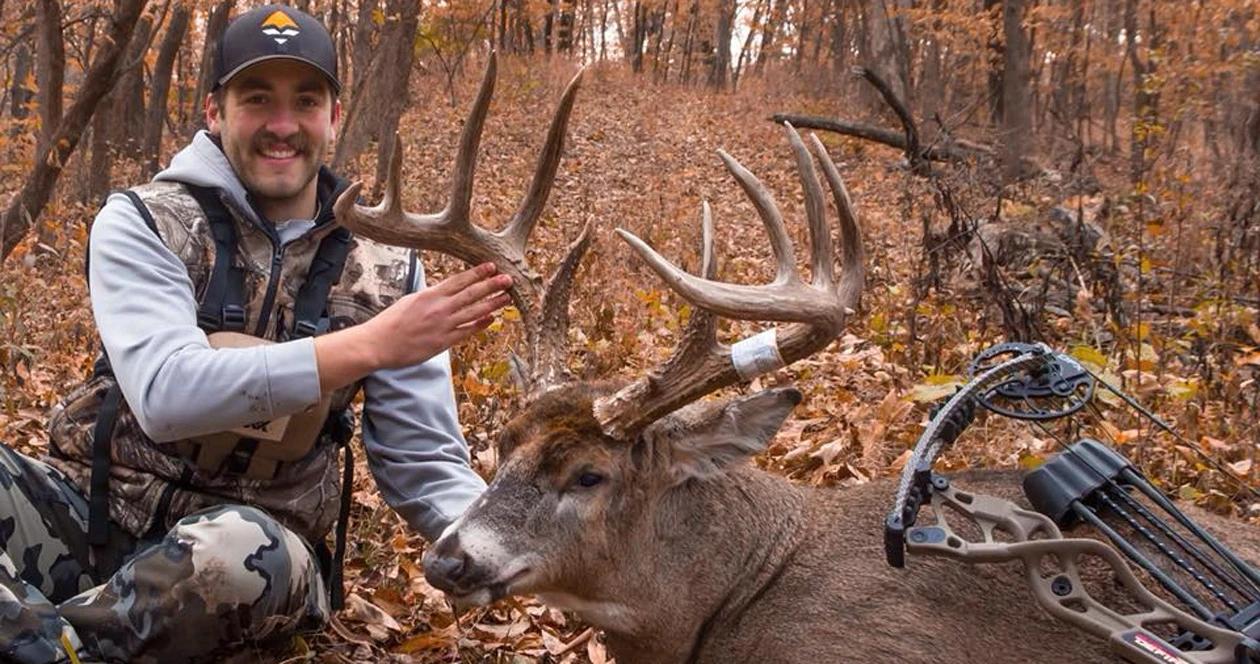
192, 480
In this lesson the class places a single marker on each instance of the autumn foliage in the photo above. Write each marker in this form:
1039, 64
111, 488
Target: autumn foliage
1102, 195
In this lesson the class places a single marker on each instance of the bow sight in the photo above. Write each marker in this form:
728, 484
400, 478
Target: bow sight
1216, 618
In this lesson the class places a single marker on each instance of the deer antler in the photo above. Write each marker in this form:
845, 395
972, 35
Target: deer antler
815, 312
452, 232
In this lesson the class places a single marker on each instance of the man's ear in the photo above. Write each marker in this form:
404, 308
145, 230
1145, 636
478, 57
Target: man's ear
335, 122
702, 439
214, 117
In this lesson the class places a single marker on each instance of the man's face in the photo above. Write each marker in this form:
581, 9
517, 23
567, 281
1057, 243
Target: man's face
275, 122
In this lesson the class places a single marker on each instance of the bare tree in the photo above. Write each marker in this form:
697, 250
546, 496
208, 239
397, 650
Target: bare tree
21, 96
1016, 108
886, 48
364, 27
720, 73
128, 95
50, 69
381, 95
26, 206
216, 23
155, 117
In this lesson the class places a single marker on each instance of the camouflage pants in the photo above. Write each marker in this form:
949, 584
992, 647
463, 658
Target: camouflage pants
222, 580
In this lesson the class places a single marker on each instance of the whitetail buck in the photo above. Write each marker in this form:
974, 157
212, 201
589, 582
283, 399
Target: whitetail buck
631, 504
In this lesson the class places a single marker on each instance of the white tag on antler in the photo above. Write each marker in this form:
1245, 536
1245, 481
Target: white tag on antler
756, 355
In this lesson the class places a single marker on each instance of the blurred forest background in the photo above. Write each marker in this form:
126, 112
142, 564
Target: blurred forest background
1083, 172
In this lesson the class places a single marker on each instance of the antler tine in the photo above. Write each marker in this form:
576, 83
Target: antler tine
451, 231
549, 367
853, 252
822, 258
815, 313
517, 232
780, 243
456, 212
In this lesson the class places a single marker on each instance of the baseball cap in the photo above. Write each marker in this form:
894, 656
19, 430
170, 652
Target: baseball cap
274, 32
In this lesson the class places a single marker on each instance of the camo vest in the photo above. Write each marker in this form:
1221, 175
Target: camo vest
151, 485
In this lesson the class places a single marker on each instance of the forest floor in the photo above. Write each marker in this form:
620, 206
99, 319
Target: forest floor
643, 157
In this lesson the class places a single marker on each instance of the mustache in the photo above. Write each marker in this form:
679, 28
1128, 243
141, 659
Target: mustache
263, 139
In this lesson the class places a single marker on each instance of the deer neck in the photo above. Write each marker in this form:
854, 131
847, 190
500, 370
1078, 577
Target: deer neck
717, 544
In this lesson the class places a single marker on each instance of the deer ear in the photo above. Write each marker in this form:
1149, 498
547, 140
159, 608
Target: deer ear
702, 439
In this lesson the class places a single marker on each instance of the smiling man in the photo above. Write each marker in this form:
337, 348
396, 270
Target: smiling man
193, 481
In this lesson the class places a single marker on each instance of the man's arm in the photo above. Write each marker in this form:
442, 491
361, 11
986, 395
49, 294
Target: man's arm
414, 445
146, 313
177, 386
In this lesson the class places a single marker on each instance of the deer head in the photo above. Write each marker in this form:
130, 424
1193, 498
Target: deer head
593, 474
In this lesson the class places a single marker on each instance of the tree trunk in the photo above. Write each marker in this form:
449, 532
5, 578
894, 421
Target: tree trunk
50, 70
549, 20
20, 96
128, 95
688, 40
887, 46
155, 117
997, 60
377, 106
720, 74
1016, 111
25, 207
364, 26
768, 29
804, 29
1145, 101
215, 25
839, 39
743, 50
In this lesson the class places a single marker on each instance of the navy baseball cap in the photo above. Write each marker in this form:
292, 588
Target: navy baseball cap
274, 32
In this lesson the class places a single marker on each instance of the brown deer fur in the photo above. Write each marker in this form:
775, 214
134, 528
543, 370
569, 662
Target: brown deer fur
682, 553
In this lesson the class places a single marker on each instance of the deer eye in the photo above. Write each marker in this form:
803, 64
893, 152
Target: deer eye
589, 479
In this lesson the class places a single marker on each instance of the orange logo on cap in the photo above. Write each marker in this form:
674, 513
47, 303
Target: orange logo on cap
279, 27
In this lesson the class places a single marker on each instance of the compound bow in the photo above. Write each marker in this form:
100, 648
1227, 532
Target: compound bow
1218, 621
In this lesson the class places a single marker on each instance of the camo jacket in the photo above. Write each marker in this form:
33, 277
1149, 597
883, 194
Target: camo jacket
151, 485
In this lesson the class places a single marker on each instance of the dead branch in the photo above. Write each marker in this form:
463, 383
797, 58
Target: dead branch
957, 152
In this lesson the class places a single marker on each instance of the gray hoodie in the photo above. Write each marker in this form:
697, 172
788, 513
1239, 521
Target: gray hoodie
177, 386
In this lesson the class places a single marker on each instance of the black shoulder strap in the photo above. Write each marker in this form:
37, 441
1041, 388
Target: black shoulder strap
312, 298
144, 214
98, 497
223, 305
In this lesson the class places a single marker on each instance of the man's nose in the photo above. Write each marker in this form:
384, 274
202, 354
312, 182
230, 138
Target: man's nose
282, 123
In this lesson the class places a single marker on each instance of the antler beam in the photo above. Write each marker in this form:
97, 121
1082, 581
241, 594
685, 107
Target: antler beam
815, 312
451, 231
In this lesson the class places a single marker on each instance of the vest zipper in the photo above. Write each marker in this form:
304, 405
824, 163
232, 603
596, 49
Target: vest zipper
273, 284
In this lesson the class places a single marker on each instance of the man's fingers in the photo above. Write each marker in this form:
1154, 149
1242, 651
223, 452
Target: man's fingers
462, 280
463, 332
480, 290
481, 309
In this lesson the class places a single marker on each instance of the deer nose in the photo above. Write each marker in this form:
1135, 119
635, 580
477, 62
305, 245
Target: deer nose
446, 563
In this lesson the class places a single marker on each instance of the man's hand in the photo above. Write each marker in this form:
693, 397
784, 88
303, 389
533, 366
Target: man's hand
413, 329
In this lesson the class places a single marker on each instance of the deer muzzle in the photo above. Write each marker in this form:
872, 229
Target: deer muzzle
473, 567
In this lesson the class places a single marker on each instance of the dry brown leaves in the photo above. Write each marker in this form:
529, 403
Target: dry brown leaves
643, 158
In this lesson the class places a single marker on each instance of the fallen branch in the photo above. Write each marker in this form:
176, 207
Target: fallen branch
956, 152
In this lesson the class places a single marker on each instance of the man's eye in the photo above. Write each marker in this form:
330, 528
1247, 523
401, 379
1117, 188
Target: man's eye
589, 479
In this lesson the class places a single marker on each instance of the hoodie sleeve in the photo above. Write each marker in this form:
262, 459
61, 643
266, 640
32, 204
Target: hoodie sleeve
414, 446
175, 384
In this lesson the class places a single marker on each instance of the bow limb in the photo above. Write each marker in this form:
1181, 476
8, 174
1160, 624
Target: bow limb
1063, 593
